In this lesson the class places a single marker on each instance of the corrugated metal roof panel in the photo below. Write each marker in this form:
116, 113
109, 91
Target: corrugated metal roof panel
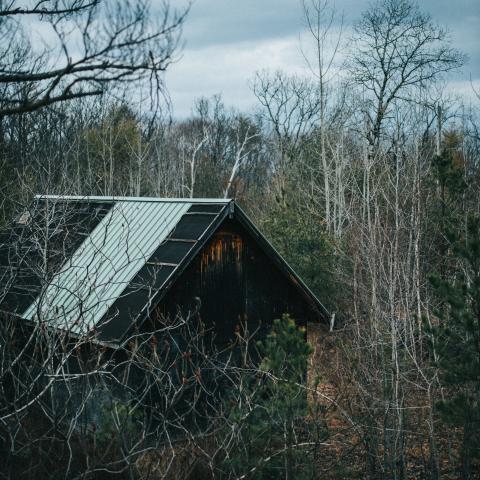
89, 283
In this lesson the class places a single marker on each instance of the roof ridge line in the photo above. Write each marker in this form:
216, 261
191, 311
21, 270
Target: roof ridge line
112, 198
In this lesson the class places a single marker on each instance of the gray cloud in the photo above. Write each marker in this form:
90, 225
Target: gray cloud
226, 41
230, 21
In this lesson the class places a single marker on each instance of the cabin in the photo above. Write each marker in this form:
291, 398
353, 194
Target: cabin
108, 266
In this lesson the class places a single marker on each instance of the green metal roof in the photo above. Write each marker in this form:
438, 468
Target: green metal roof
90, 282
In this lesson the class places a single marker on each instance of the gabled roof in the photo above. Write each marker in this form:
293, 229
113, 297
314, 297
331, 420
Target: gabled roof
136, 246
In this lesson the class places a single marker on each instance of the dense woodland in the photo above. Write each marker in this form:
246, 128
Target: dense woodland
365, 175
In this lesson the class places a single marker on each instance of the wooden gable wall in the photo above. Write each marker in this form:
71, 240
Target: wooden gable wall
233, 282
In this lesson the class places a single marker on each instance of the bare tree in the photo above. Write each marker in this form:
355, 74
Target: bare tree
241, 154
291, 108
395, 49
91, 46
190, 158
321, 19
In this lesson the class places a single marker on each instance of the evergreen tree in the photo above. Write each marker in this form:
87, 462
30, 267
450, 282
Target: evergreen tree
302, 239
270, 439
447, 210
455, 341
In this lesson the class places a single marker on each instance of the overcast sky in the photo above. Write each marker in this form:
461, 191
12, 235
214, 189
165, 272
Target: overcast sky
227, 41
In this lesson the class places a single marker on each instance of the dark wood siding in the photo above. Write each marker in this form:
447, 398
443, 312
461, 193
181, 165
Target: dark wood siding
232, 282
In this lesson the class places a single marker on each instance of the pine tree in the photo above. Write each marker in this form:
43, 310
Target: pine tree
447, 208
302, 239
456, 340
269, 444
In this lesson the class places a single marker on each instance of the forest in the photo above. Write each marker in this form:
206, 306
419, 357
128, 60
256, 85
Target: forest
364, 175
